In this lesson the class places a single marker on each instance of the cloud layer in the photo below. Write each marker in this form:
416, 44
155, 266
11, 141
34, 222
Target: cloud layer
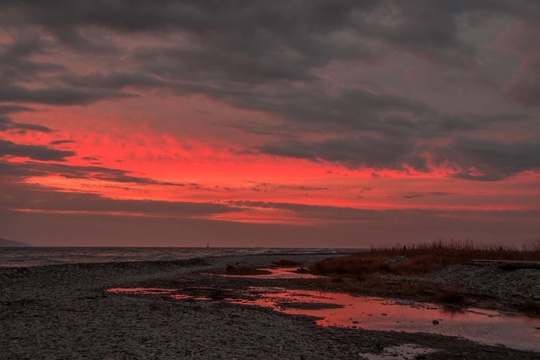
196, 99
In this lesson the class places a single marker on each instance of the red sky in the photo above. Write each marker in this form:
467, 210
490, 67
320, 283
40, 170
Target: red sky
296, 124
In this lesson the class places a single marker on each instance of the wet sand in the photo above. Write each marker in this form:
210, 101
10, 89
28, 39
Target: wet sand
64, 311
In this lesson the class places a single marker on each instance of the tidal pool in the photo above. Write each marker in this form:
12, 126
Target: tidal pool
335, 309
277, 273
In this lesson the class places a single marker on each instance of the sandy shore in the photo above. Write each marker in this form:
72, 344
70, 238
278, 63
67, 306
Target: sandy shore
64, 312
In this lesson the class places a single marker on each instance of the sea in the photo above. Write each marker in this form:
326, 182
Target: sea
39, 256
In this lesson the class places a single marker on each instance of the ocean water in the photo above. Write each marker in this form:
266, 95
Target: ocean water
38, 256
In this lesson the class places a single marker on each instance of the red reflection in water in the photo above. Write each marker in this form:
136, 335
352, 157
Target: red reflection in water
140, 291
157, 291
188, 297
334, 309
278, 273
485, 326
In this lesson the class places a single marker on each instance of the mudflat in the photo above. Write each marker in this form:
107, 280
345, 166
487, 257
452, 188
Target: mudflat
66, 312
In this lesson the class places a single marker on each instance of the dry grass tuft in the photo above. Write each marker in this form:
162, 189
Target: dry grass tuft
457, 251
450, 297
399, 271
423, 258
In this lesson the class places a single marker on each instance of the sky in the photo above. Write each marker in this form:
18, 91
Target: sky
257, 123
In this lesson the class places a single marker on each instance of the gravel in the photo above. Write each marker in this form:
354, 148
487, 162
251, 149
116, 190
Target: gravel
64, 312
492, 279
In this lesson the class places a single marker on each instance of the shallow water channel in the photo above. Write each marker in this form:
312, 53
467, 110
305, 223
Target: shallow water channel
335, 309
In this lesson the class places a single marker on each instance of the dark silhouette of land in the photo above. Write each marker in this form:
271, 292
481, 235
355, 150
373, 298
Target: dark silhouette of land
12, 243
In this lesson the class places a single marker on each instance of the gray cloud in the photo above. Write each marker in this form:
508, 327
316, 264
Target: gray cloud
522, 40
255, 27
61, 142
415, 195
6, 124
271, 57
9, 109
16, 63
359, 111
319, 211
525, 87
439, 222
35, 152
18, 67
376, 153
269, 187
114, 80
57, 95
67, 171
492, 159
35, 197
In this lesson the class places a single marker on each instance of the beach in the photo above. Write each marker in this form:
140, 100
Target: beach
67, 312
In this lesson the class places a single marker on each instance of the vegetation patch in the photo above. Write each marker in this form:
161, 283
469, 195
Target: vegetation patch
422, 259
403, 271
451, 297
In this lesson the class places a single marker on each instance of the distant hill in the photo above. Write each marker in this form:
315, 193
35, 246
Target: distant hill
11, 243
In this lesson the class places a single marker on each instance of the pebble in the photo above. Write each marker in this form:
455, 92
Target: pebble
62, 312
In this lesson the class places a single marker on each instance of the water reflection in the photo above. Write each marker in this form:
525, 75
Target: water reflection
490, 327
278, 273
334, 309
140, 291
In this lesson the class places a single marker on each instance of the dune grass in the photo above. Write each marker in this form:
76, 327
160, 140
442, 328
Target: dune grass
422, 259
398, 271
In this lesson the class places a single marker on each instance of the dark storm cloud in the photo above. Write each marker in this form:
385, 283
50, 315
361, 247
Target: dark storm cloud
228, 47
35, 152
114, 80
439, 221
6, 124
522, 39
269, 187
9, 109
35, 197
376, 153
525, 87
61, 142
428, 27
492, 159
395, 146
259, 41
320, 211
270, 57
69, 171
57, 95
415, 195
356, 110
16, 63
526, 91
17, 66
